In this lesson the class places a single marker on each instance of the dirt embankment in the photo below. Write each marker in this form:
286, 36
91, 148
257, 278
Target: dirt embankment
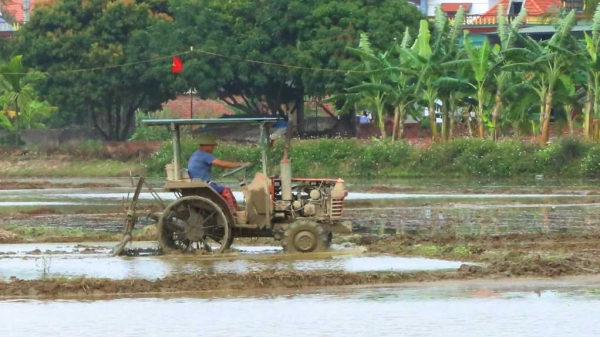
546, 255
42, 184
271, 280
506, 256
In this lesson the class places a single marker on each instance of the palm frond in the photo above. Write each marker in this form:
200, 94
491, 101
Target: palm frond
439, 23
364, 55
421, 45
456, 29
516, 24
564, 27
596, 24
406, 40
364, 44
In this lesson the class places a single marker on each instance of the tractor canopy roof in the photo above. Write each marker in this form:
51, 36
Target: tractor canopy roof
213, 121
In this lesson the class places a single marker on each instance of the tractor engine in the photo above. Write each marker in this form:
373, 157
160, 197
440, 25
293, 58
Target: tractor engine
319, 199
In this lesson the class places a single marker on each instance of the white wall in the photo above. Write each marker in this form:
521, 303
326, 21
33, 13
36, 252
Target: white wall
478, 6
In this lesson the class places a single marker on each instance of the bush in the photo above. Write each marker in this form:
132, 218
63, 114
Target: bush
143, 132
379, 159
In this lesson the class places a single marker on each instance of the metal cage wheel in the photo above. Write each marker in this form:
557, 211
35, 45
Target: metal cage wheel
193, 222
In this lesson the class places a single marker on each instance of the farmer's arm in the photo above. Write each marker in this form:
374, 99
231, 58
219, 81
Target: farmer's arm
227, 164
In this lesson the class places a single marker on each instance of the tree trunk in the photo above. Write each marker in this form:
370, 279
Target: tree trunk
451, 131
380, 117
445, 121
596, 105
568, 112
432, 122
401, 125
300, 112
496, 114
480, 127
545, 122
17, 121
588, 110
396, 123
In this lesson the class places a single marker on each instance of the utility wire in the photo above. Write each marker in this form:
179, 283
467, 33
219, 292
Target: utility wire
82, 70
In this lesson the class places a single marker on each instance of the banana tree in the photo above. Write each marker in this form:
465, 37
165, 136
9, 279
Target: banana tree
502, 79
591, 64
374, 76
481, 63
16, 87
570, 97
545, 62
451, 83
402, 81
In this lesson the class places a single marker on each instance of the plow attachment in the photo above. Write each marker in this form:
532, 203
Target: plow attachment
130, 219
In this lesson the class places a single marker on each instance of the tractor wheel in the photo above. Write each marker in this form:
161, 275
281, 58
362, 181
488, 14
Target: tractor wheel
304, 236
193, 222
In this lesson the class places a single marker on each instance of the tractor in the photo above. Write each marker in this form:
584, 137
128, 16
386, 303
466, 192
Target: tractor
302, 213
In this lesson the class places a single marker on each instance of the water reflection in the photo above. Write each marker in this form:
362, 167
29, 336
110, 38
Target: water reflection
65, 260
447, 311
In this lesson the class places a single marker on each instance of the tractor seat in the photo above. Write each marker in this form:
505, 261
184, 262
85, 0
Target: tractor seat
258, 198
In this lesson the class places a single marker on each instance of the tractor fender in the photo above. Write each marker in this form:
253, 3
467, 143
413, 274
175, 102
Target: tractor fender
201, 189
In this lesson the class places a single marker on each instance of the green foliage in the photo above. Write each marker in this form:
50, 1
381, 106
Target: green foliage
461, 250
590, 164
302, 33
143, 132
99, 34
379, 159
18, 99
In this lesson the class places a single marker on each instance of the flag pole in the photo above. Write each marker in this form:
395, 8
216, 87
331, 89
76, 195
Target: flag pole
191, 95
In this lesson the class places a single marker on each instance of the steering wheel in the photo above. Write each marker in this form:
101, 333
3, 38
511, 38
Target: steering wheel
236, 170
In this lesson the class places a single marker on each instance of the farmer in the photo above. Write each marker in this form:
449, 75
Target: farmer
364, 118
201, 163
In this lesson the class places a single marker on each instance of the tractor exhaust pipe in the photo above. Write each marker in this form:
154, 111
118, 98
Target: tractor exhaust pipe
286, 179
286, 166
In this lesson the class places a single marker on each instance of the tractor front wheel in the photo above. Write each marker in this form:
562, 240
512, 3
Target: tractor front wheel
304, 236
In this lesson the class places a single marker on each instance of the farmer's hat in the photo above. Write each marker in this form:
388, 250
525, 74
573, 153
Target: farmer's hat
207, 139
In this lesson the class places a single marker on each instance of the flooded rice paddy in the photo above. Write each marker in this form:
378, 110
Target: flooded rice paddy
524, 308
49, 260
467, 211
507, 308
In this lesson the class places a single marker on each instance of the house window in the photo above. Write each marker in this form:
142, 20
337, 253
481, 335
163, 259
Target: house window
577, 5
515, 7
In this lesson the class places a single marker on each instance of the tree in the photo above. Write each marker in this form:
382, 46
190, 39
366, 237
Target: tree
306, 35
508, 34
545, 62
591, 66
16, 87
427, 56
374, 87
82, 44
402, 88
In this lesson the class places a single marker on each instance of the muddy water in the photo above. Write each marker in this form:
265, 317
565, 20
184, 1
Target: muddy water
531, 309
34, 261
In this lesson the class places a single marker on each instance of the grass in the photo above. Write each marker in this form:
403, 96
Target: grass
68, 167
49, 234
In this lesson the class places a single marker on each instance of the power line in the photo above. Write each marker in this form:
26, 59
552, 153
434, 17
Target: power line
189, 52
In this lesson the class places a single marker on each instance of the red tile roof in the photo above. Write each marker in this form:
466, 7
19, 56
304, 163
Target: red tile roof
15, 8
453, 7
180, 107
533, 7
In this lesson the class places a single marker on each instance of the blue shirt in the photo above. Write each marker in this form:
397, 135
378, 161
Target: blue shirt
364, 119
200, 164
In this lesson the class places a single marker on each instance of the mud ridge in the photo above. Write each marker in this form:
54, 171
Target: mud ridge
16, 288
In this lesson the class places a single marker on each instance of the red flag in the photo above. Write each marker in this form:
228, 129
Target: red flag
177, 66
